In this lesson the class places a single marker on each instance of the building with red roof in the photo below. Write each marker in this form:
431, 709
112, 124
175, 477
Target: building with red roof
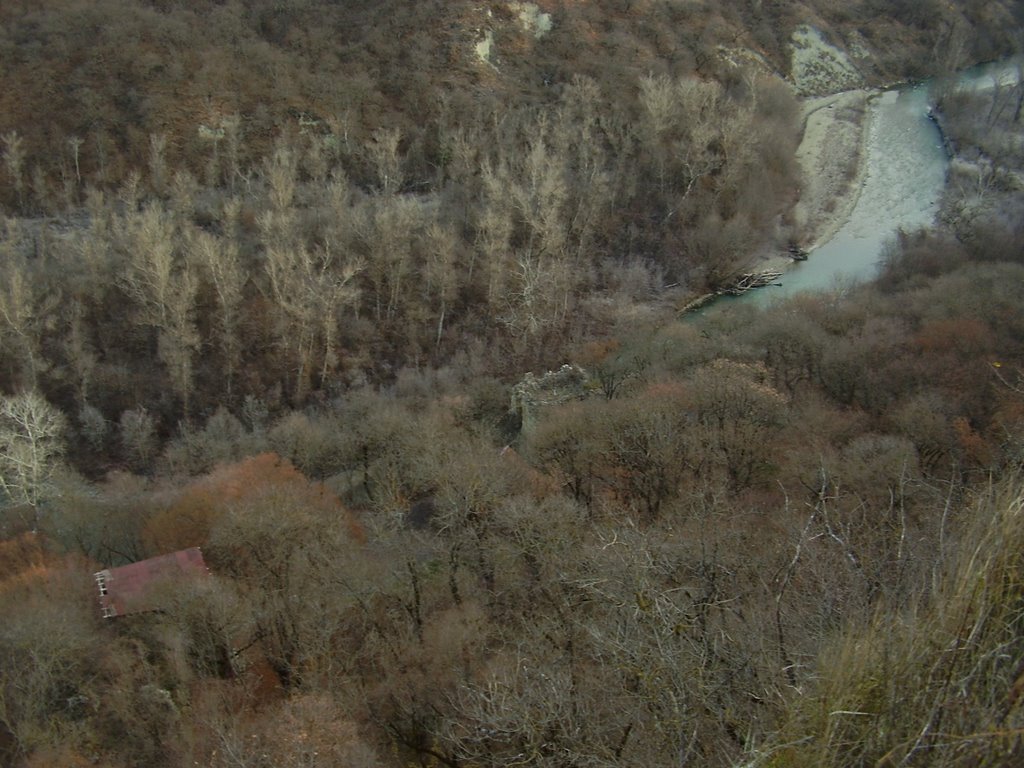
141, 586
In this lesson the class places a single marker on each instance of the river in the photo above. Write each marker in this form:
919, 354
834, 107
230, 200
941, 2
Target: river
905, 171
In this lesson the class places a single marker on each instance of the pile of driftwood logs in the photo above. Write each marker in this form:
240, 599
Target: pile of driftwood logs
746, 281
751, 280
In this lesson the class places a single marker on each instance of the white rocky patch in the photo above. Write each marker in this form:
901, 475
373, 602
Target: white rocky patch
819, 67
485, 47
532, 19
210, 134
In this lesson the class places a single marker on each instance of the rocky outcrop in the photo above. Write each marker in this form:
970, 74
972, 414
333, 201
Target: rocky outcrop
819, 67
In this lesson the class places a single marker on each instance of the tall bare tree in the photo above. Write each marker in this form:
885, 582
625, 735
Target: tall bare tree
311, 287
388, 229
382, 151
441, 272
221, 260
27, 308
163, 287
31, 446
14, 162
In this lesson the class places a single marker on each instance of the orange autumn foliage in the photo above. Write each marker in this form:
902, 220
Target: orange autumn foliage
58, 756
188, 520
596, 352
964, 336
976, 450
23, 561
674, 392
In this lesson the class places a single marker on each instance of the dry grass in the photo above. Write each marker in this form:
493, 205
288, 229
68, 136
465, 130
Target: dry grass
938, 686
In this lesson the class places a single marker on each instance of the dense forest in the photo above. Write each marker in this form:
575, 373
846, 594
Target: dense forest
283, 281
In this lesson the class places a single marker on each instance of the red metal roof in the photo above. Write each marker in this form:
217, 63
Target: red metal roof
134, 588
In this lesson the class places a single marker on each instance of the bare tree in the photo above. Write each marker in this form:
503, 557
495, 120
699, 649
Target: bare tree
31, 446
163, 287
27, 308
232, 127
80, 354
311, 288
280, 172
441, 272
578, 133
739, 412
494, 226
48, 645
14, 161
75, 145
382, 151
523, 235
158, 162
138, 437
222, 262
388, 229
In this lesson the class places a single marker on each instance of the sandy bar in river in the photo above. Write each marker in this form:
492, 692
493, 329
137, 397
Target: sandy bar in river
832, 162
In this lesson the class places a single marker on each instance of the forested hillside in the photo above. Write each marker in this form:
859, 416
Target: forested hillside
271, 278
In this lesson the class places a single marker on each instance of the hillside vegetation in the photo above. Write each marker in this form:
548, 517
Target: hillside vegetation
269, 275
937, 682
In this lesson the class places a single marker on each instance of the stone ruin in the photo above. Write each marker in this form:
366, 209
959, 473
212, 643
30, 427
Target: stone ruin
534, 393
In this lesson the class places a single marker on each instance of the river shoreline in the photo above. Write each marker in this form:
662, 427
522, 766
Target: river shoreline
833, 159
871, 164
832, 156
833, 162
833, 153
